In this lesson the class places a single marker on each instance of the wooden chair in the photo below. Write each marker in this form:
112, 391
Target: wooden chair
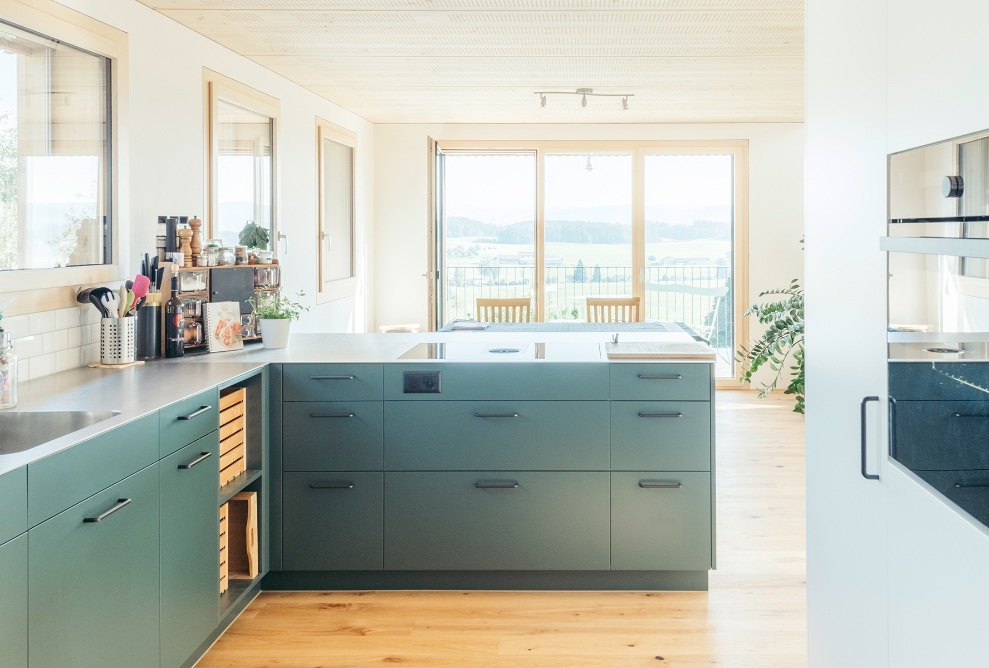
504, 310
612, 309
701, 302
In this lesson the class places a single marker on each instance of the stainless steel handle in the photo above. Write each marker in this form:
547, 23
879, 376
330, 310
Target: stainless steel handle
660, 484
331, 484
496, 484
202, 409
496, 415
332, 377
660, 415
102, 516
972, 484
866, 474
968, 415
669, 376
331, 415
201, 457
284, 237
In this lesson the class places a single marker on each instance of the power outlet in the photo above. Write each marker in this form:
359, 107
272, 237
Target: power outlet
421, 382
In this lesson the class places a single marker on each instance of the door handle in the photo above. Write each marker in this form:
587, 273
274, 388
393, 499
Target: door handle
862, 421
496, 484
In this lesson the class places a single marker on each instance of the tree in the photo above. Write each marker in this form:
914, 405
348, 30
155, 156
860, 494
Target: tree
596, 275
579, 272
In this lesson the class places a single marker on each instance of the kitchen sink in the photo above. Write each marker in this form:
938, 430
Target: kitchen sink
23, 430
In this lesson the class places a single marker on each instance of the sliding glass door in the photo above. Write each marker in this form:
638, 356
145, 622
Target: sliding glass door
557, 222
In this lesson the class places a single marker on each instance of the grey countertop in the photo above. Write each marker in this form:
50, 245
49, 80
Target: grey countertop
139, 390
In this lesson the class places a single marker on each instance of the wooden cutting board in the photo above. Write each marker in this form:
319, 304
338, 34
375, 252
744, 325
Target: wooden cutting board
679, 350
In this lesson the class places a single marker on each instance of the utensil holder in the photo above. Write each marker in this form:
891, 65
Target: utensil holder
117, 344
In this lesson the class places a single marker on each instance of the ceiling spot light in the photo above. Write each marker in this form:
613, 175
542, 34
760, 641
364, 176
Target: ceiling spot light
584, 93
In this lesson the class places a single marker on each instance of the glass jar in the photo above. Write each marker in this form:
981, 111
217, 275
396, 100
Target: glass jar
192, 280
266, 277
8, 371
240, 254
227, 257
193, 332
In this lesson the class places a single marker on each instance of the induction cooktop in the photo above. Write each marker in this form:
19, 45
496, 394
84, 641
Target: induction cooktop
476, 351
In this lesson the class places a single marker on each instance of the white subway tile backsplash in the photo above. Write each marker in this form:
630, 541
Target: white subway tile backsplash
68, 359
75, 337
28, 346
42, 365
68, 317
89, 315
23, 369
90, 353
17, 326
42, 322
55, 341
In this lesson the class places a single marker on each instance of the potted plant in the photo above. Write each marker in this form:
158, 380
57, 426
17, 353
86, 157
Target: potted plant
274, 315
253, 236
781, 345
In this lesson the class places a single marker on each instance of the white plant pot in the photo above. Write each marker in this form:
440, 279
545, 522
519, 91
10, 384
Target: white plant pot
274, 333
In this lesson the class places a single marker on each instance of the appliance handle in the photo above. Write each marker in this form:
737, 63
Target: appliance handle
862, 421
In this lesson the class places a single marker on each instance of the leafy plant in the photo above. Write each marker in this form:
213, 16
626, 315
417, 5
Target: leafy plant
278, 307
781, 345
253, 236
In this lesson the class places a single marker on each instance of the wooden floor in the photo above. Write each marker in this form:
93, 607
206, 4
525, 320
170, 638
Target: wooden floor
754, 615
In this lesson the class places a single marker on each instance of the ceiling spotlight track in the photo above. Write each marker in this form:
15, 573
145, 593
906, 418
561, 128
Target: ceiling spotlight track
584, 93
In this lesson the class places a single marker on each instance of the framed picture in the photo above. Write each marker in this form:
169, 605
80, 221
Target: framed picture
223, 327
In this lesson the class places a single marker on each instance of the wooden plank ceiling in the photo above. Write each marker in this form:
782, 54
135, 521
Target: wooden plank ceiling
480, 61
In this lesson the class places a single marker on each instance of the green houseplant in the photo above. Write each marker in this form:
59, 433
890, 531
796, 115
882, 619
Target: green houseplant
253, 236
275, 314
781, 345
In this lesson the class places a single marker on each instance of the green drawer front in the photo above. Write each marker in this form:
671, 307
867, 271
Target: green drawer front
662, 382
332, 521
512, 380
190, 542
331, 382
93, 587
69, 476
661, 436
13, 603
660, 521
190, 419
496, 435
13, 504
445, 521
332, 436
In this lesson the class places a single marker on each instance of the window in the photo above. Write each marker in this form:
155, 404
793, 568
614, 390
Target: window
55, 167
560, 221
337, 257
242, 159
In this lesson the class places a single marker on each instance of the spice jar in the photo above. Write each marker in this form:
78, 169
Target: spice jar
240, 254
227, 256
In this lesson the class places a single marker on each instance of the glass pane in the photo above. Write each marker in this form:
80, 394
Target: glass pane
338, 210
243, 173
588, 230
488, 229
54, 165
689, 218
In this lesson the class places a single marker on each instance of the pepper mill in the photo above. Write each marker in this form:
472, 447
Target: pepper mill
185, 234
197, 243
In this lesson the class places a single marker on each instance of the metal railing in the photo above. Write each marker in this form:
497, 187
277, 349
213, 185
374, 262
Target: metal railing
567, 286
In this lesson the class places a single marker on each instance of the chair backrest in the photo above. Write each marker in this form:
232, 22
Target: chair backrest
504, 310
612, 309
716, 294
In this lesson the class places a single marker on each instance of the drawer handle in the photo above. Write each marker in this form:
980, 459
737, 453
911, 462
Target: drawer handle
496, 415
202, 456
331, 484
497, 484
660, 484
668, 376
332, 377
969, 415
332, 415
202, 409
972, 484
102, 516
660, 415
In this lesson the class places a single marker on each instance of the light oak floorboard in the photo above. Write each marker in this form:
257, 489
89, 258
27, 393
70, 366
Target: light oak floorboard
754, 615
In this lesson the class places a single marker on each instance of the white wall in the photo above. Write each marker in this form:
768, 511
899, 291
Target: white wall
401, 211
165, 140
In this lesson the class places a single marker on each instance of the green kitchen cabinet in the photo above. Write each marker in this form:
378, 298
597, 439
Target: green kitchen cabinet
662, 382
332, 520
331, 382
93, 580
497, 520
661, 521
332, 436
13, 504
189, 548
661, 435
13, 603
184, 421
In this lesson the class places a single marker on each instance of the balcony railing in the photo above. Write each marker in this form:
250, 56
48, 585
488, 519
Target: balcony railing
699, 296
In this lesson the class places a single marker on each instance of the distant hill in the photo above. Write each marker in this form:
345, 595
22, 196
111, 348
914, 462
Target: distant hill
584, 231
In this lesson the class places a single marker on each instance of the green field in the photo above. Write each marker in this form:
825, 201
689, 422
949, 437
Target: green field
606, 255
